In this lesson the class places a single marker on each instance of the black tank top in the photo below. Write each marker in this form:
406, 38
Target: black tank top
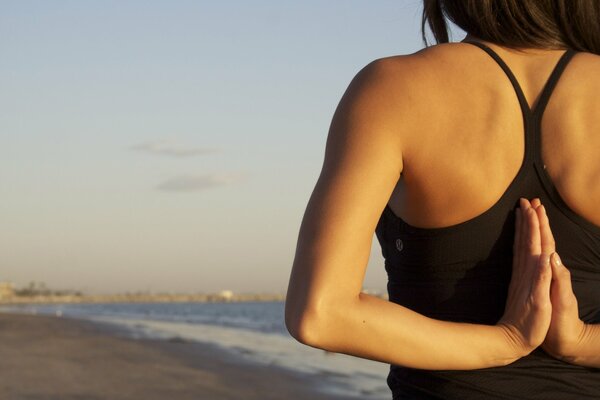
461, 273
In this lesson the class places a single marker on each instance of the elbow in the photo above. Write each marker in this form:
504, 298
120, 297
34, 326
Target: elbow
314, 319
302, 325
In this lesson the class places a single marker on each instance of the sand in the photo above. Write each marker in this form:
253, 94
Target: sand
47, 357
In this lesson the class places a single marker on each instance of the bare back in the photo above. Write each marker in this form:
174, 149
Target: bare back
442, 139
464, 141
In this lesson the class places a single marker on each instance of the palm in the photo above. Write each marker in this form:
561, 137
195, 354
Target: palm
566, 328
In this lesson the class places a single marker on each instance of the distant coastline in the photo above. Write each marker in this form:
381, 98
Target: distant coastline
139, 298
8, 296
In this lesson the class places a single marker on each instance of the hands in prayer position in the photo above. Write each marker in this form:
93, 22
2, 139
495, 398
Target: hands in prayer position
541, 308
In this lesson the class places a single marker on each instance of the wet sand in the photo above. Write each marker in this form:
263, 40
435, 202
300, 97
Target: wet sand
46, 357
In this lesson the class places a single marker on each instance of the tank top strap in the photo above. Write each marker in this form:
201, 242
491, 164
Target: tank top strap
551, 82
531, 117
543, 102
513, 80
546, 92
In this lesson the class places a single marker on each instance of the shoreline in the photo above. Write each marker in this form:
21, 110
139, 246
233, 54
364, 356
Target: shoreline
139, 298
227, 297
48, 357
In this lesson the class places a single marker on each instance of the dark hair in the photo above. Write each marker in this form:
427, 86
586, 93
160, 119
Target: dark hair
548, 24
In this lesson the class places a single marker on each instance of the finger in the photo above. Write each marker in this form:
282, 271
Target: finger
517, 241
547, 239
533, 232
524, 233
524, 203
533, 237
542, 282
535, 203
561, 279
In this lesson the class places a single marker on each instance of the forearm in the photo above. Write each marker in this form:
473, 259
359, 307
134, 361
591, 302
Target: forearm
380, 330
588, 354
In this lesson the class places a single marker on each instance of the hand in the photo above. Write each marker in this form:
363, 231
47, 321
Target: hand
528, 310
566, 332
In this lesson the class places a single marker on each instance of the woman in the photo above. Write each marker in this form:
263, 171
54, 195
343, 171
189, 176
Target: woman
437, 153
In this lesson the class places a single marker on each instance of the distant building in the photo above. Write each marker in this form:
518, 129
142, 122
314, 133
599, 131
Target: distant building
7, 290
226, 294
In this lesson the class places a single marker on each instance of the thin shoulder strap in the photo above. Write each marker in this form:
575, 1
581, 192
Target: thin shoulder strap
513, 80
552, 80
548, 87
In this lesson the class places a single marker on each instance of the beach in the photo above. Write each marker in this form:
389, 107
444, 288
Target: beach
53, 357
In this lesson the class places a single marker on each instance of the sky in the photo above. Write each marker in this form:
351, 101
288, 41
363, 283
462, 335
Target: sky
172, 146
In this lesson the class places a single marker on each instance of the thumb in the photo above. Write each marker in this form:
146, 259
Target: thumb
561, 278
544, 278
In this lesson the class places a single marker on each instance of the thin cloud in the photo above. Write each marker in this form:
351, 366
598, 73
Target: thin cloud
194, 183
172, 149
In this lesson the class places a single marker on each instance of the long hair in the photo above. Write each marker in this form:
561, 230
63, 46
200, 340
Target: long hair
541, 24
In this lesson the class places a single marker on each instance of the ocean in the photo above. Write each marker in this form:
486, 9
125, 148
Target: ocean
252, 330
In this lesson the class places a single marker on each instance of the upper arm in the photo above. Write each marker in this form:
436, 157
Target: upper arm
362, 165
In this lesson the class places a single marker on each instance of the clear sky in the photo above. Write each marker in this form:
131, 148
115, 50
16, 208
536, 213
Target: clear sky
173, 145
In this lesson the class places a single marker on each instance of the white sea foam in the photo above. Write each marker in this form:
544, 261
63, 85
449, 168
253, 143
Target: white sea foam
254, 333
348, 375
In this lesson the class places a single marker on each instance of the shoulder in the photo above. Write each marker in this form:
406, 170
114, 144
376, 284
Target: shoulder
590, 60
585, 68
399, 77
421, 61
385, 86
403, 97
400, 87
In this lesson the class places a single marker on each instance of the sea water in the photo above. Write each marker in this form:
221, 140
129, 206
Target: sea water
254, 330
